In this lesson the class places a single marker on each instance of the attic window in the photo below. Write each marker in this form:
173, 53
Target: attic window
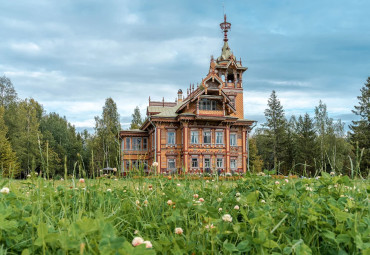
230, 78
206, 104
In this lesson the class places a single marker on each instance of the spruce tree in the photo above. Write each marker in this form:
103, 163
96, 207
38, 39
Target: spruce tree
360, 129
306, 144
276, 125
137, 121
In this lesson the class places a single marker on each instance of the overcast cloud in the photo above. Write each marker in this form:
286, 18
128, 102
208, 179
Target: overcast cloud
71, 55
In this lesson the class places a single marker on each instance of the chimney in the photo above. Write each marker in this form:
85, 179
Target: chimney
179, 96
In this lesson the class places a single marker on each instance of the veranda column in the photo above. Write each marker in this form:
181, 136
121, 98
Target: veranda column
244, 150
159, 149
186, 145
227, 148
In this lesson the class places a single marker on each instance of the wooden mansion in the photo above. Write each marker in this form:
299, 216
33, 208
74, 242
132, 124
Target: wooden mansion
204, 130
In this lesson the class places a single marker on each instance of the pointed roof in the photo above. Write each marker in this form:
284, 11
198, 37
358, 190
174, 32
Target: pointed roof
225, 53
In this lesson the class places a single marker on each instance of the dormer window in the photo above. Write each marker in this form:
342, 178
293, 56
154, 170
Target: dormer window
207, 104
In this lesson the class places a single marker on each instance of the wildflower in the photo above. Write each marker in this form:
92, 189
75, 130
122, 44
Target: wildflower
237, 194
28, 175
36, 173
342, 195
220, 209
169, 202
82, 180
201, 199
227, 217
137, 241
155, 164
219, 200
277, 182
114, 169
115, 179
207, 181
136, 232
179, 231
148, 244
332, 173
286, 180
178, 184
238, 199
345, 209
236, 207
109, 190
309, 188
195, 195
5, 190
335, 185
210, 226
263, 201
61, 179
146, 202
137, 202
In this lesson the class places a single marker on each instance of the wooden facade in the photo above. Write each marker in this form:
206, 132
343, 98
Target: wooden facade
204, 131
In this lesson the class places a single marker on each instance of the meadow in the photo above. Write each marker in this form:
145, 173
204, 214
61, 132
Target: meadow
253, 214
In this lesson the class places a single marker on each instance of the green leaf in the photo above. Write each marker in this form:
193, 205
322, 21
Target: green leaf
230, 247
243, 246
270, 244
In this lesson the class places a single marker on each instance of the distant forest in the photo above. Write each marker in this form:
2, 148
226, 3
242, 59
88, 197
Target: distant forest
34, 141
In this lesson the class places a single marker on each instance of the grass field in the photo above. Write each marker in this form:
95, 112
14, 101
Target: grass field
250, 215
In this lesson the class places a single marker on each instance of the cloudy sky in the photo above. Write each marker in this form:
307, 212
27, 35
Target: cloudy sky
71, 55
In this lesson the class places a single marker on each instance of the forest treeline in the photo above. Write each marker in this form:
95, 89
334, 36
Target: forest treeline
32, 140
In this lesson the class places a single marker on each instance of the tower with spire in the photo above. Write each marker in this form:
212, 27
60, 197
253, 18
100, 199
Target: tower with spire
202, 131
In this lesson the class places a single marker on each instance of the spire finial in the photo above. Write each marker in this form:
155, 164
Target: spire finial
225, 26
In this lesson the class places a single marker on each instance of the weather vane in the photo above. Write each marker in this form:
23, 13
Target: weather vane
225, 26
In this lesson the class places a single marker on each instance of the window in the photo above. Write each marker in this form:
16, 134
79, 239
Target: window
207, 137
171, 137
207, 163
232, 139
232, 101
206, 104
219, 137
128, 145
194, 137
145, 143
194, 162
233, 163
127, 165
220, 163
136, 143
171, 163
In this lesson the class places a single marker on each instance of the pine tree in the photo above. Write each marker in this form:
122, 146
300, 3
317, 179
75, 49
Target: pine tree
276, 129
137, 121
9, 166
360, 135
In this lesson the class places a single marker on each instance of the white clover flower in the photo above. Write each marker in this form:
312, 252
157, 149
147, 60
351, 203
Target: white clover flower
263, 201
148, 244
237, 194
332, 173
286, 180
227, 218
277, 182
136, 232
109, 190
345, 209
155, 164
220, 209
179, 231
195, 195
179, 184
28, 175
201, 199
137, 241
309, 189
137, 202
219, 200
5, 190
82, 180
169, 202
236, 207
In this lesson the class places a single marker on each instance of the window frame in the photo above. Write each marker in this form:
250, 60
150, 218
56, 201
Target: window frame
193, 160
173, 142
235, 162
222, 163
128, 145
235, 140
191, 136
210, 136
145, 143
222, 137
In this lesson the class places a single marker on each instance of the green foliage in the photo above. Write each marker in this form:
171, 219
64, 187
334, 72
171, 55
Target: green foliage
7, 92
137, 121
329, 215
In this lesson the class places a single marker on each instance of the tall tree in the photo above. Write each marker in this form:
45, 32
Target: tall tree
137, 121
306, 144
255, 160
7, 92
360, 129
276, 128
107, 127
9, 166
